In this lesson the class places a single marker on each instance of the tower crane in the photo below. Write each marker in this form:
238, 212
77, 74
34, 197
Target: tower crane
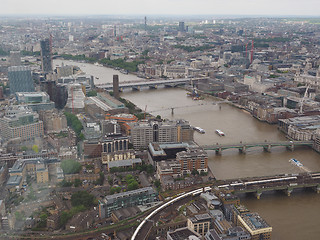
303, 99
251, 52
145, 112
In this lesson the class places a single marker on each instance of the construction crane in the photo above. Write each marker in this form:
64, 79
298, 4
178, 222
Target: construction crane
145, 112
303, 99
251, 53
72, 99
246, 50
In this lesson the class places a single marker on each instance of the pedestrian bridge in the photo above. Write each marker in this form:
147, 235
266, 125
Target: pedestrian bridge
242, 147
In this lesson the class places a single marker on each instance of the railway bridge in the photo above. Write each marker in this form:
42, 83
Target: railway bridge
242, 147
286, 183
136, 86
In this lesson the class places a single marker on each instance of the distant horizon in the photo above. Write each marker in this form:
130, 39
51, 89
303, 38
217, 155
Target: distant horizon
306, 8
163, 15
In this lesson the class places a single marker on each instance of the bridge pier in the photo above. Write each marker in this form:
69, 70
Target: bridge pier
290, 147
135, 88
317, 189
243, 149
258, 194
288, 191
219, 151
267, 148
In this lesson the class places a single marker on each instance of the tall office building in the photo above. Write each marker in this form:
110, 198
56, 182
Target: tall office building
1, 93
181, 27
15, 58
46, 59
145, 23
20, 79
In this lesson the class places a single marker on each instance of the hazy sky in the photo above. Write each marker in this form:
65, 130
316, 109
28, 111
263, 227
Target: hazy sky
149, 7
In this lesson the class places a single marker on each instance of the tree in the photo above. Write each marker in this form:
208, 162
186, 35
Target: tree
157, 183
92, 93
81, 137
129, 177
150, 169
74, 123
70, 166
35, 148
194, 172
114, 190
100, 179
158, 117
82, 198
43, 220
64, 183
131, 182
24, 148
77, 182
133, 185
110, 180
64, 217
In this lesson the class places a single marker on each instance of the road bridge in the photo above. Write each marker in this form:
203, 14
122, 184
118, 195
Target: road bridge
242, 147
150, 84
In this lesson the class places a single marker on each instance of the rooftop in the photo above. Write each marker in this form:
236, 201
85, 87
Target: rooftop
201, 218
124, 163
129, 193
14, 180
254, 222
100, 103
158, 149
183, 234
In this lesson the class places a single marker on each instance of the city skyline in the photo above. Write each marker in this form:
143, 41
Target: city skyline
166, 7
117, 120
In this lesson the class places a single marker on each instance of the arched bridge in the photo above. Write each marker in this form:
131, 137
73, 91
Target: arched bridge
242, 147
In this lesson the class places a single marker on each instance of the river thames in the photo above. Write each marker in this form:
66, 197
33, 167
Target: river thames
294, 217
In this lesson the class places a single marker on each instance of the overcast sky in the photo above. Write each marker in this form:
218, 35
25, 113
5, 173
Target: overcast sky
158, 7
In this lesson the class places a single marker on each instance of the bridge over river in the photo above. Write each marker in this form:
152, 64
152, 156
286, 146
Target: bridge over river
151, 84
286, 183
257, 185
242, 147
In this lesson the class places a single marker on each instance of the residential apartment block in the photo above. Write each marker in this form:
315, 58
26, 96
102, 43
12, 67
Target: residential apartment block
20, 122
145, 132
132, 198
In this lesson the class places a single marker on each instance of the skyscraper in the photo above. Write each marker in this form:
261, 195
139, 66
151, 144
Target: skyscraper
46, 59
145, 23
20, 79
181, 27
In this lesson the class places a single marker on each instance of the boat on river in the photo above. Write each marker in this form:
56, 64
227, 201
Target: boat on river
295, 162
220, 133
200, 130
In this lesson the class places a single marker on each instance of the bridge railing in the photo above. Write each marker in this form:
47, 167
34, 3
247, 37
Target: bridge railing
260, 144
